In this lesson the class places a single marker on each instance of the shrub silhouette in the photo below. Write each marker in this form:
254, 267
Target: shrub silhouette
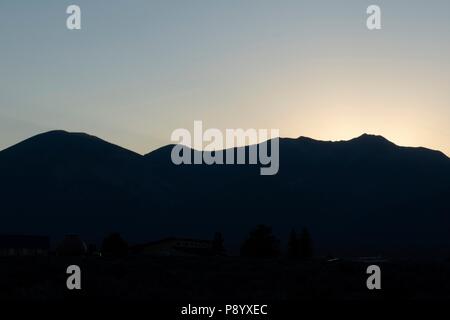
260, 243
114, 246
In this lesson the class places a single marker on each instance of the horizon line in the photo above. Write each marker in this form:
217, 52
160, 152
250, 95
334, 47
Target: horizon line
246, 145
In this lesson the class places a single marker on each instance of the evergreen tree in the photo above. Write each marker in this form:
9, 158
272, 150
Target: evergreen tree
261, 243
305, 243
293, 245
114, 246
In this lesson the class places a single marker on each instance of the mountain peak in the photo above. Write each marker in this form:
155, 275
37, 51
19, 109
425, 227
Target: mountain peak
364, 138
371, 139
306, 139
55, 132
60, 142
368, 136
62, 134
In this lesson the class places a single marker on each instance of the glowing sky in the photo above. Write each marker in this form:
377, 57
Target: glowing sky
140, 69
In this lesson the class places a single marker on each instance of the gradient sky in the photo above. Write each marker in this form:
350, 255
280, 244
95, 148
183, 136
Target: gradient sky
140, 69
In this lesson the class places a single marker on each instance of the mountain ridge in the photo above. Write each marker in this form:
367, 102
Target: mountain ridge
363, 138
361, 195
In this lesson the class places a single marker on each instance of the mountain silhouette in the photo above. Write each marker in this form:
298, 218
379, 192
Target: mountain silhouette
60, 182
361, 196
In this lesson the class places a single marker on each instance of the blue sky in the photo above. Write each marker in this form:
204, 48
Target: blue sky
140, 69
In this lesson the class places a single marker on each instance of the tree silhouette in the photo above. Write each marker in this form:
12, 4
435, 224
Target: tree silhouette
293, 245
217, 244
305, 244
114, 246
260, 243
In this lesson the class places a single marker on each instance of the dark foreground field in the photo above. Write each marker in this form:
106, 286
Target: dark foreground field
219, 279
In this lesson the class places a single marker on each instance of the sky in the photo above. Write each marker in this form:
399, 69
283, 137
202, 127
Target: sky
138, 70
